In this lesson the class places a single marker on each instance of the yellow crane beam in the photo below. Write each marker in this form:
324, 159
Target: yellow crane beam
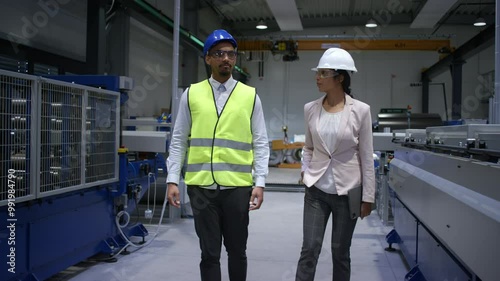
351, 44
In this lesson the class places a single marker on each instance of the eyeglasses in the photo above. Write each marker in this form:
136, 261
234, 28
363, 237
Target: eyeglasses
219, 54
326, 73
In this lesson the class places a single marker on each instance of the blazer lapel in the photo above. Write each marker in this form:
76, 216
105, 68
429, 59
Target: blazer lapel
317, 114
344, 120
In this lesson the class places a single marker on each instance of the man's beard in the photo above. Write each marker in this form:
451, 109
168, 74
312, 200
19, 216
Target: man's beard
223, 72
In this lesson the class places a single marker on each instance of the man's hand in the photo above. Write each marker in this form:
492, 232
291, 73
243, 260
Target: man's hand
257, 193
173, 195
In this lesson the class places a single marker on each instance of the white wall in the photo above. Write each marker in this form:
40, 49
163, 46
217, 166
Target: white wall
475, 90
383, 80
371, 84
150, 65
58, 27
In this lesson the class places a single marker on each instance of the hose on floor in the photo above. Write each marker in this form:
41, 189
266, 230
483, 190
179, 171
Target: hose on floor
127, 216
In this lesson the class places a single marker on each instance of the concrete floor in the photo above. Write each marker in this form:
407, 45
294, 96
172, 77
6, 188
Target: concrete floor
275, 236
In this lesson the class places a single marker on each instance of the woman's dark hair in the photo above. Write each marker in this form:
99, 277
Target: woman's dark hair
346, 83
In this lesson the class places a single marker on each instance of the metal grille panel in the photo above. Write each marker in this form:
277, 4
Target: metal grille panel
55, 137
101, 128
15, 135
60, 136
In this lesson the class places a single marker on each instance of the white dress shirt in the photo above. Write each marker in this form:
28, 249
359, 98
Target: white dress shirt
182, 130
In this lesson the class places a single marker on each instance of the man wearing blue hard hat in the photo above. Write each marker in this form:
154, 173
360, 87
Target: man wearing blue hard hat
227, 159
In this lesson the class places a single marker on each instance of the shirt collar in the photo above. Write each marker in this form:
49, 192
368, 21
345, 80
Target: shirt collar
229, 84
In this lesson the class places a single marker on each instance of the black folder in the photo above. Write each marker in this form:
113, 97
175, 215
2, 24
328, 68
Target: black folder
355, 197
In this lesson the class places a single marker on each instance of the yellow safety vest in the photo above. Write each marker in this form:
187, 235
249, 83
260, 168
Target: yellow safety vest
220, 149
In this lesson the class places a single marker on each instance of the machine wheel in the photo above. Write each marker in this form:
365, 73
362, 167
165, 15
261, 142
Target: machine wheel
293, 155
275, 156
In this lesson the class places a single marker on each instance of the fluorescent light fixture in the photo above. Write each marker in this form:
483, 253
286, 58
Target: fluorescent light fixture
371, 23
261, 25
479, 22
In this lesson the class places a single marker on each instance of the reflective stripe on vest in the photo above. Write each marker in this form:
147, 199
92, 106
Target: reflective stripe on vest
220, 149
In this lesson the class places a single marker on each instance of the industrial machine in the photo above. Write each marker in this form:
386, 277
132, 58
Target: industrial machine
447, 202
384, 144
67, 190
390, 119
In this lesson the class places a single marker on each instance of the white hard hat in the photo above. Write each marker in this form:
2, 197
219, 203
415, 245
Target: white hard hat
336, 58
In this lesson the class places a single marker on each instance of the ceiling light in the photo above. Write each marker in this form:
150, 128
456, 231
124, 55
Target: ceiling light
479, 22
261, 25
371, 23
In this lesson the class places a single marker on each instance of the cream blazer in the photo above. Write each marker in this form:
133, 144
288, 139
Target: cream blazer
353, 154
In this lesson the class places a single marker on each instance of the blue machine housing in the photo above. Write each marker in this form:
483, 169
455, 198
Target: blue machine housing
49, 232
109, 82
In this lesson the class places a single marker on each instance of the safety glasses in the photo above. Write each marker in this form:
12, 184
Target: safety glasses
219, 54
325, 73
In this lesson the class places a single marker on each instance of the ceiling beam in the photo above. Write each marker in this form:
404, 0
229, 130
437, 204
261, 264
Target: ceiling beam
431, 13
478, 43
351, 9
286, 14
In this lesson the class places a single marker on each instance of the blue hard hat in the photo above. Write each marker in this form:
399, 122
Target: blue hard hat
216, 37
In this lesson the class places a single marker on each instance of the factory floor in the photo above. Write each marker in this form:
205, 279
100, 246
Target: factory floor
275, 237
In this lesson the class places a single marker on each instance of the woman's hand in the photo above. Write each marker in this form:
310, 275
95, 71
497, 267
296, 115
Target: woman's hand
366, 209
301, 180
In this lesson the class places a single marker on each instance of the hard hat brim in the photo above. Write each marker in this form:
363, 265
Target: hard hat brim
316, 69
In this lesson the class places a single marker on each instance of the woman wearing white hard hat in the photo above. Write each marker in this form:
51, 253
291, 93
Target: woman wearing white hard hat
337, 162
